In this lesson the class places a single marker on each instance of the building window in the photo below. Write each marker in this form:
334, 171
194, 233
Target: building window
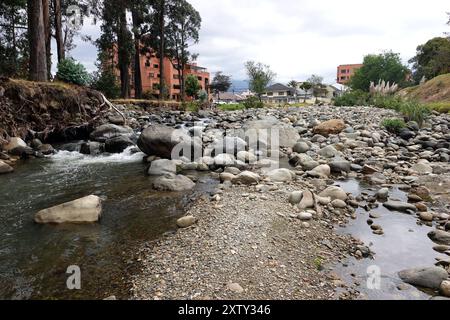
342, 78
270, 94
159, 75
151, 75
176, 86
176, 76
343, 71
281, 93
155, 86
200, 78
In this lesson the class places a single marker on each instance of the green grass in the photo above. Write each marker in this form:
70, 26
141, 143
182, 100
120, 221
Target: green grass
394, 125
441, 107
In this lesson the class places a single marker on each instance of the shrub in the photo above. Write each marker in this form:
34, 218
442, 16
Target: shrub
106, 83
253, 103
352, 98
71, 71
192, 106
414, 111
203, 96
394, 125
387, 102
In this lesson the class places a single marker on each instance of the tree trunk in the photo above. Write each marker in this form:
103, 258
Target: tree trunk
137, 56
14, 41
48, 35
38, 58
124, 64
58, 30
162, 84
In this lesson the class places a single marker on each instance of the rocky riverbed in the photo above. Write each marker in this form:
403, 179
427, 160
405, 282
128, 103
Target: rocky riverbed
269, 230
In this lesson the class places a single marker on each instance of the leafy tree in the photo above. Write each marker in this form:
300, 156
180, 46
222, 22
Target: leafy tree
386, 66
192, 86
182, 31
432, 59
260, 76
116, 37
317, 85
13, 38
106, 83
220, 83
306, 86
293, 84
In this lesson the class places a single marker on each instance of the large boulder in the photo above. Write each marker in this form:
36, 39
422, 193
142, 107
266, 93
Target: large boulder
281, 175
162, 167
400, 206
424, 277
246, 178
5, 168
13, 143
229, 145
160, 141
334, 126
328, 152
440, 236
84, 210
118, 144
338, 166
108, 131
224, 160
261, 130
173, 183
92, 148
334, 193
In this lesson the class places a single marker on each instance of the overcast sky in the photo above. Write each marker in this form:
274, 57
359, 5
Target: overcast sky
298, 38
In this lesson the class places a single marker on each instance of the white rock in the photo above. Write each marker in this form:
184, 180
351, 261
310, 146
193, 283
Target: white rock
186, 221
84, 210
281, 175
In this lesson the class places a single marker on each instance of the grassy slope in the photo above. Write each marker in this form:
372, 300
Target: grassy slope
435, 93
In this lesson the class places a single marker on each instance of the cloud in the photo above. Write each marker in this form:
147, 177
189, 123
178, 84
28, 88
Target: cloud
300, 38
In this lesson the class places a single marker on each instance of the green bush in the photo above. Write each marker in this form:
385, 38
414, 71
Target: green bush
203, 96
352, 98
387, 102
394, 125
192, 106
414, 111
106, 83
71, 71
253, 103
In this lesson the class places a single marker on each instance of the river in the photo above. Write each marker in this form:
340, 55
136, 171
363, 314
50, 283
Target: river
34, 258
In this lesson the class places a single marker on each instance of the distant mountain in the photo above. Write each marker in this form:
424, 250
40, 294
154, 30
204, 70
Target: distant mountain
238, 86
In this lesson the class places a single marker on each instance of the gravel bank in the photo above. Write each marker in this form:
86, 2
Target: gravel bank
247, 245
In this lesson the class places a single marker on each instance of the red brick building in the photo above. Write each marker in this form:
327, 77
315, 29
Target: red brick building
346, 71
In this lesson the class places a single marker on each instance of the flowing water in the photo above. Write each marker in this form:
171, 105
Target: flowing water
34, 258
404, 245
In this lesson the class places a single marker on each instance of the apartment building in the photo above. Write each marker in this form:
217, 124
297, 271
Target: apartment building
150, 76
346, 71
